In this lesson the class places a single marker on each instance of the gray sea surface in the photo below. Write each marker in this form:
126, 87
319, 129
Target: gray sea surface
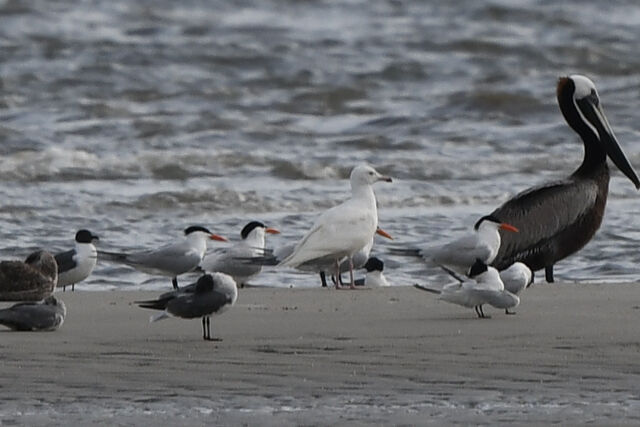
135, 119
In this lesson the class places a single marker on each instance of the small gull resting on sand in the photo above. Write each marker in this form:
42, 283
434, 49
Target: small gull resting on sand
47, 315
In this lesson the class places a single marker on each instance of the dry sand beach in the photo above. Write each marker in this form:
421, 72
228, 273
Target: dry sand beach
321, 356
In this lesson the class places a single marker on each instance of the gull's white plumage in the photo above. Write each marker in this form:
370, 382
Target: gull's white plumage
344, 229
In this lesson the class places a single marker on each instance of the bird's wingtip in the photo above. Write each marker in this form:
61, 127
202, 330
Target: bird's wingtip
424, 288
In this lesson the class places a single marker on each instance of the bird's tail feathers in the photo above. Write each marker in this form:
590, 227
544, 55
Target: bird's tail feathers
152, 304
413, 252
259, 260
159, 316
112, 256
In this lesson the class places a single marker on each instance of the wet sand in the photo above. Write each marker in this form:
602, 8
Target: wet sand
321, 356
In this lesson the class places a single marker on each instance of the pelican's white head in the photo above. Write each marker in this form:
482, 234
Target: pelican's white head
583, 86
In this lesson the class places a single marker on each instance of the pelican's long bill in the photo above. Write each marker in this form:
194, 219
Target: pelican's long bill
591, 109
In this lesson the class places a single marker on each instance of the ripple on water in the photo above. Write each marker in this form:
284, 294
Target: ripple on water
121, 117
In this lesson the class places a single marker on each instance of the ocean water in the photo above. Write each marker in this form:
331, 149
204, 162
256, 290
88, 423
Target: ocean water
135, 119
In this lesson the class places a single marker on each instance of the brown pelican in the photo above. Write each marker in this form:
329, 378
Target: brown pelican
558, 218
31, 280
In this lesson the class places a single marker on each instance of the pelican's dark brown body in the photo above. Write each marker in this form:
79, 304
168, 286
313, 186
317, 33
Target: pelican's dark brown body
552, 207
559, 218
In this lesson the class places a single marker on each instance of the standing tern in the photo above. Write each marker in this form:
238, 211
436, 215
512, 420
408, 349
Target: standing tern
227, 260
344, 229
47, 315
461, 254
559, 218
171, 260
76, 264
31, 280
483, 286
212, 294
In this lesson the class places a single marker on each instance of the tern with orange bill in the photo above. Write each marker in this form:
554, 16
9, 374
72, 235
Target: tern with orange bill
226, 260
483, 244
171, 260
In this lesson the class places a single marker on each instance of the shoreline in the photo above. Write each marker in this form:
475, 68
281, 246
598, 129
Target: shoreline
321, 356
